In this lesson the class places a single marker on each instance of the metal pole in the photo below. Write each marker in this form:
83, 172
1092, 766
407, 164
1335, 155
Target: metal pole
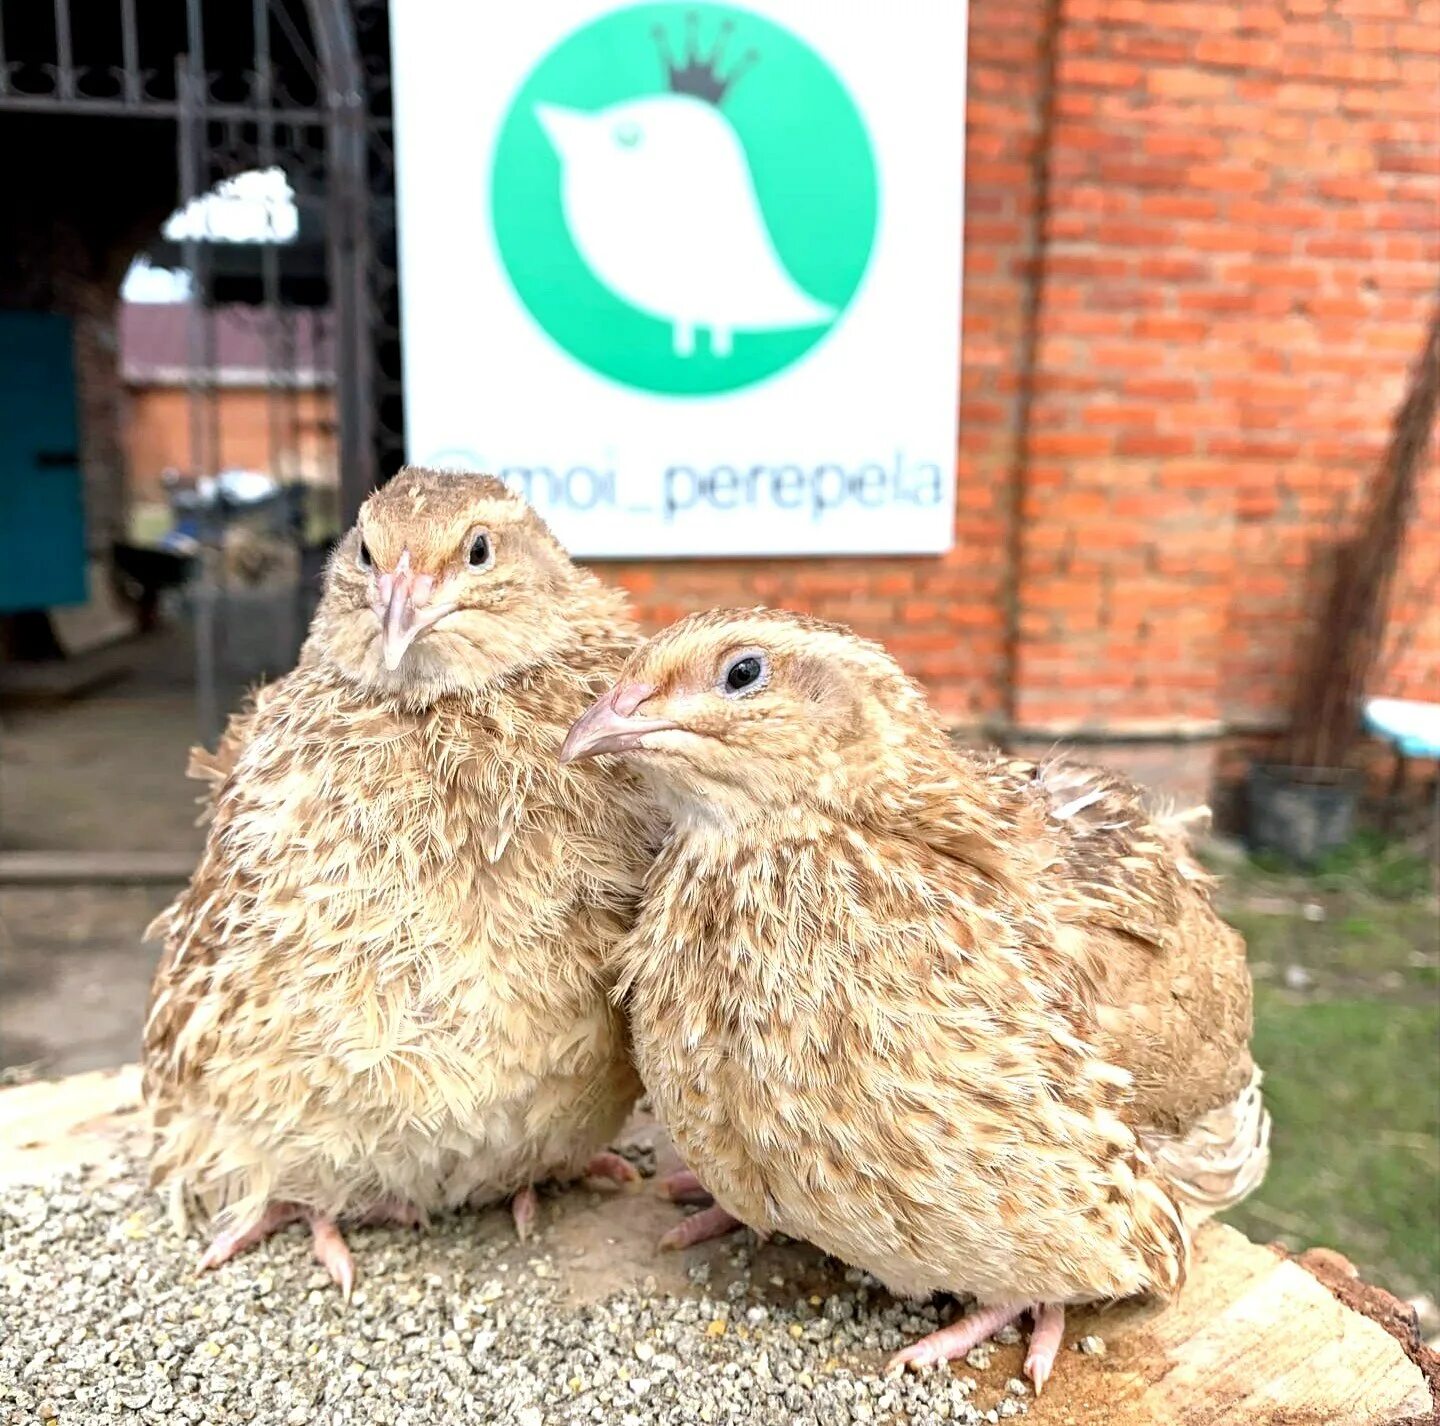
350, 300
349, 246
284, 471
190, 93
130, 49
64, 51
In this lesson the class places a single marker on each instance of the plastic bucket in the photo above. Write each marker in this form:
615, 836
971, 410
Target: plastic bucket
1301, 812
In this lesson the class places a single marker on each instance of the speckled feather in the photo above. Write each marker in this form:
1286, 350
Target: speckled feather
387, 976
966, 1022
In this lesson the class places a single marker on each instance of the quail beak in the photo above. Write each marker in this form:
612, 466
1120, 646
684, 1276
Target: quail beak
609, 724
403, 605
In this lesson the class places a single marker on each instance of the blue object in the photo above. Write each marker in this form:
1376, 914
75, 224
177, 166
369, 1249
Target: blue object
1413, 726
43, 558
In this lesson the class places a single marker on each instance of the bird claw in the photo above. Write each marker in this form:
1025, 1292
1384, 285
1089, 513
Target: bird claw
613, 1168
955, 1340
524, 1208
331, 1252
1038, 1369
979, 1326
708, 1223
1045, 1338
235, 1241
327, 1245
685, 1187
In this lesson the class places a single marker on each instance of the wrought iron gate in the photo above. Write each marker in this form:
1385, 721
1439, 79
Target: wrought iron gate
278, 87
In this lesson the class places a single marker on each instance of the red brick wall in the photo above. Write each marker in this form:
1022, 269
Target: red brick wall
1239, 253
292, 433
1241, 256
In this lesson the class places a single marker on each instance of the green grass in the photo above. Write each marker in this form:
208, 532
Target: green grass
1370, 862
1354, 1092
1347, 1029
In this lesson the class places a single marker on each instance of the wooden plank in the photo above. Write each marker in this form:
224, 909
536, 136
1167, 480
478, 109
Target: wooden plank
50, 1126
81, 868
1252, 1338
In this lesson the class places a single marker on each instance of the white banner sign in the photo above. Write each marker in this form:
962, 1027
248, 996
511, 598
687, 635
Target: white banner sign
687, 276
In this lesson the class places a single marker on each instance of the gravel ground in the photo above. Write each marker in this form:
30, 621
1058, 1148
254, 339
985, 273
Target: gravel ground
102, 1320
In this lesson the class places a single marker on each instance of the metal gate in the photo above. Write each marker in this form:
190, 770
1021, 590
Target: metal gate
252, 87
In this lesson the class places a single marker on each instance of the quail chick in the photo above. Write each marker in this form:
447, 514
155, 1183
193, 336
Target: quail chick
966, 1023
384, 991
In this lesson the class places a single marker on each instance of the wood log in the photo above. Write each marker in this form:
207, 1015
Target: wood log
1256, 1337
96, 868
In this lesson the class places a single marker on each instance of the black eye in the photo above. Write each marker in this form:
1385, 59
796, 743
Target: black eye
365, 560
479, 551
744, 673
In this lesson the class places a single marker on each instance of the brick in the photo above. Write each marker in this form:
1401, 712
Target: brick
1233, 53
1309, 98
1341, 246
1153, 443
1419, 38
1167, 143
1105, 414
1100, 73
1150, 47
1178, 205
1171, 329
1069, 443
1173, 269
1294, 276
1356, 189
1109, 11
1372, 9
1126, 232
1225, 179
1198, 15
1186, 83
1162, 388
1073, 264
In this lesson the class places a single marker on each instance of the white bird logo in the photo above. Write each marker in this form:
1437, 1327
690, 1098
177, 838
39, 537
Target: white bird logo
661, 205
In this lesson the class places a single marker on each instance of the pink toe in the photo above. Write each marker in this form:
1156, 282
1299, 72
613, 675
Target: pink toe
234, 1241
332, 1254
1045, 1338
524, 1208
614, 1167
956, 1339
708, 1223
685, 1187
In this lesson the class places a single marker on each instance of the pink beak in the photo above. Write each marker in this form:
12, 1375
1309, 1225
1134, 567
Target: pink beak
404, 609
608, 725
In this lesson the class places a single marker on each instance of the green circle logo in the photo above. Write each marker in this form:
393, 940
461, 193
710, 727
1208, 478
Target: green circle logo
684, 197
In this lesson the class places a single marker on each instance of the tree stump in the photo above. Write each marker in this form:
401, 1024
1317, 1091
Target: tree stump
1256, 1336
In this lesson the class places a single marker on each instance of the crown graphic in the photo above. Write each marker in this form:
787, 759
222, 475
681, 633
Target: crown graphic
699, 74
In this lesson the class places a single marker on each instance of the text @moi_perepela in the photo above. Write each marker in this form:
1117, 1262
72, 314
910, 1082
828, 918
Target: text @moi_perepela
682, 489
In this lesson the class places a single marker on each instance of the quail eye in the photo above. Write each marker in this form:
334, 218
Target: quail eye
745, 673
365, 561
479, 555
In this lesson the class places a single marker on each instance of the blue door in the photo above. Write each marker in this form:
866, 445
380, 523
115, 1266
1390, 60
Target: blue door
42, 501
